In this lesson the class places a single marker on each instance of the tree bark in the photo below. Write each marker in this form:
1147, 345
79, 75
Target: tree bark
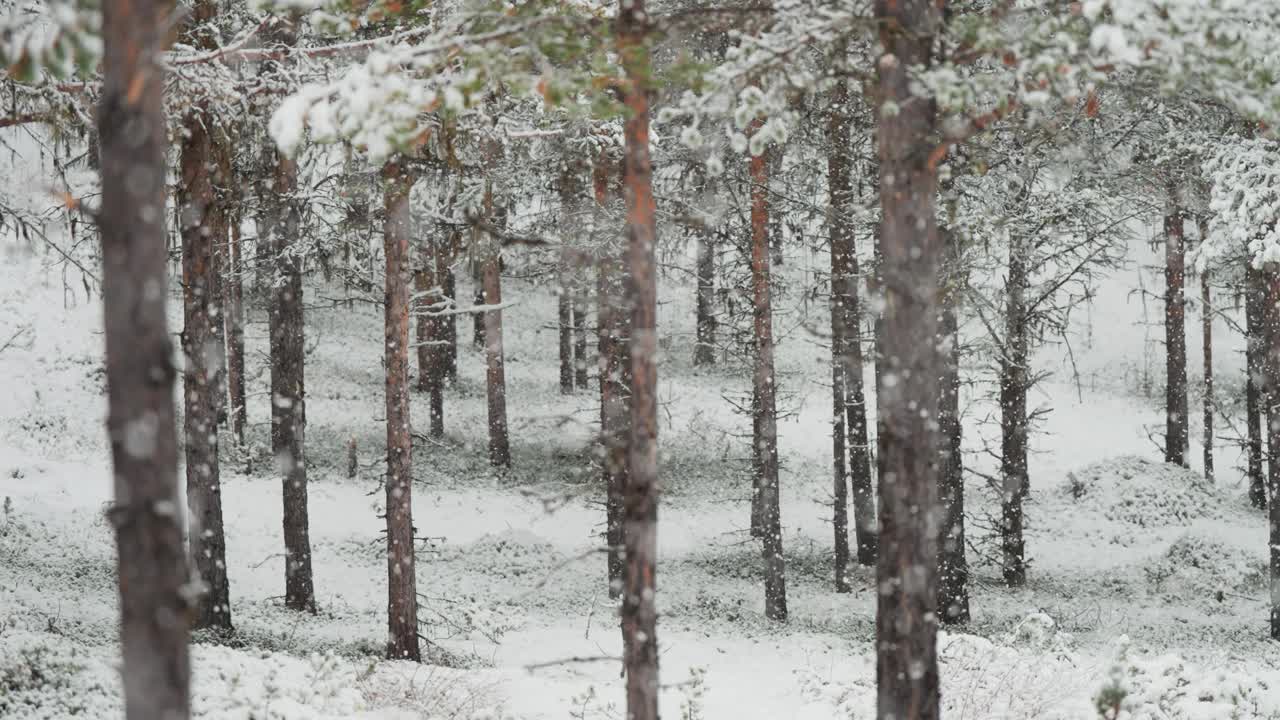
1254, 396
1014, 381
704, 350
640, 525
206, 540
765, 409
564, 316
141, 422
451, 322
580, 377
1271, 366
953, 566
612, 331
430, 331
279, 226
1176, 436
233, 318
402, 590
495, 363
907, 391
1206, 334
478, 319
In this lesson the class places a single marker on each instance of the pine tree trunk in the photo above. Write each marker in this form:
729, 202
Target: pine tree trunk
640, 505
580, 377
1176, 435
1255, 334
907, 391
612, 322
495, 363
704, 351
1271, 368
1014, 381
431, 340
141, 424
564, 315
775, 578
1206, 333
197, 214
478, 319
451, 322
233, 316
953, 566
402, 590
846, 341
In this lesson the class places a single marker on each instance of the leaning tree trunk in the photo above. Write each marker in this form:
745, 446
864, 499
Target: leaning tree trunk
612, 323
206, 540
704, 350
402, 591
907, 391
151, 560
1271, 363
495, 363
953, 566
1255, 352
765, 406
640, 505
1176, 436
1014, 381
1206, 334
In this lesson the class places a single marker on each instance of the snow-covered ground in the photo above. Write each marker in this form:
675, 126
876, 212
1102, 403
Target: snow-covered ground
1141, 575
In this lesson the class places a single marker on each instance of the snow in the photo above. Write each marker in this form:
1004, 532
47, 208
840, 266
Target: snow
1144, 579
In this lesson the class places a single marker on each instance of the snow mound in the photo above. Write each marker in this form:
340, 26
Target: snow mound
1204, 570
1135, 491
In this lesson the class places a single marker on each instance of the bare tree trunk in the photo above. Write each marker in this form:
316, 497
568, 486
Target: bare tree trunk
1271, 366
206, 539
1254, 397
765, 407
141, 425
640, 524
953, 566
495, 363
564, 315
451, 322
233, 316
279, 223
478, 319
1176, 435
612, 323
580, 378
704, 351
402, 588
906, 571
846, 341
1014, 381
1206, 333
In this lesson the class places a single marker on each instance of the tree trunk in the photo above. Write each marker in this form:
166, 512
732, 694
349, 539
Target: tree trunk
564, 315
1271, 366
430, 337
206, 539
478, 319
907, 393
846, 343
402, 588
451, 322
640, 525
580, 377
953, 566
495, 363
612, 323
1255, 333
1014, 381
1176, 435
141, 425
765, 409
233, 317
1206, 333
704, 350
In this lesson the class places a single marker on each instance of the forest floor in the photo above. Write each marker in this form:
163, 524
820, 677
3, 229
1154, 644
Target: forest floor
1141, 574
